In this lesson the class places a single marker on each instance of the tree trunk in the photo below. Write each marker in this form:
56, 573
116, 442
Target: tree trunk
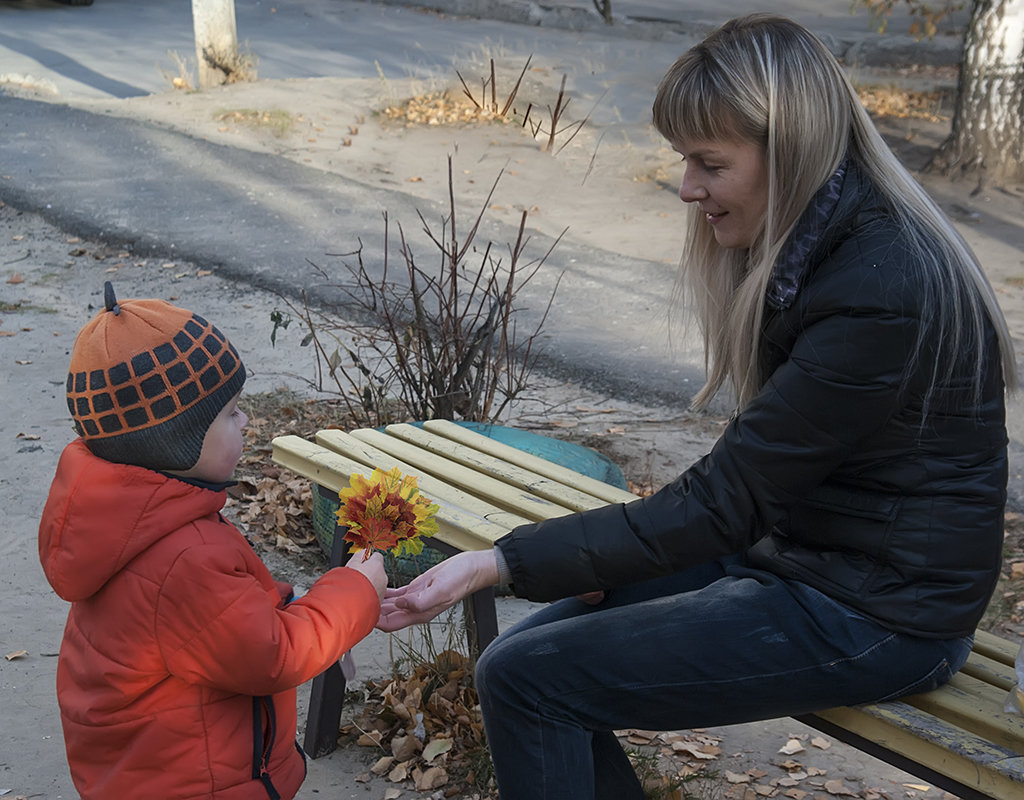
987, 140
216, 40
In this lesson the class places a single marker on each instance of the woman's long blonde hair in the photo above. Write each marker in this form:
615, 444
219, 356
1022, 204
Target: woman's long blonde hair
766, 79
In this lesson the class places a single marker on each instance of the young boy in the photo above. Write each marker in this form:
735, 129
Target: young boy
181, 654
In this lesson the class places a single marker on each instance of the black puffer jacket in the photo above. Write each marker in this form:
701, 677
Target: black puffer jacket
828, 476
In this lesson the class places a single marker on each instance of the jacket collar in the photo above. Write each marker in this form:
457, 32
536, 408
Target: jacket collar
794, 258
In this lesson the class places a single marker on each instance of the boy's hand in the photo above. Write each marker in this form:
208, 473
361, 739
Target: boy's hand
373, 569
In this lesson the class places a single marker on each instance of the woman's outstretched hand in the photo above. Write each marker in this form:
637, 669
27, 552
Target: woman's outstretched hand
437, 589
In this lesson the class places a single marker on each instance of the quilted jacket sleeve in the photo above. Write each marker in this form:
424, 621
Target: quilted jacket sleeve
842, 381
220, 625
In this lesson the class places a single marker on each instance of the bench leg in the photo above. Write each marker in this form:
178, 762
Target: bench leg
327, 693
481, 620
326, 697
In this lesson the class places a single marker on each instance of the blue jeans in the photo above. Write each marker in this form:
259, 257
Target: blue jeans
715, 645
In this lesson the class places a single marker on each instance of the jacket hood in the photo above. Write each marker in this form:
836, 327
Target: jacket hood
100, 515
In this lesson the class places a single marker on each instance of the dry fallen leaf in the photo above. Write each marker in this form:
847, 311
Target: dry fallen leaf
791, 747
736, 777
370, 739
696, 750
383, 765
392, 794
27, 437
431, 779
821, 743
16, 278
405, 747
16, 654
837, 787
921, 787
436, 747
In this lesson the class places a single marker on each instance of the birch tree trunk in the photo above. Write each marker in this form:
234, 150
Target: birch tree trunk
216, 40
987, 139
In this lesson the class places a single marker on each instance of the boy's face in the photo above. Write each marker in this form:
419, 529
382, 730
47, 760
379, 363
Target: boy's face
222, 446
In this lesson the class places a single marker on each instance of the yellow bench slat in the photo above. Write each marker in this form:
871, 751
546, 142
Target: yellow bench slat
992, 672
475, 528
974, 706
995, 647
469, 480
556, 472
929, 741
440, 491
498, 468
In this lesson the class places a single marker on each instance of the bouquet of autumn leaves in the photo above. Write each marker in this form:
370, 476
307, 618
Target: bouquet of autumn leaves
385, 512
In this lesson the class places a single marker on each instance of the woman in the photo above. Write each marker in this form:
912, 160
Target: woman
840, 542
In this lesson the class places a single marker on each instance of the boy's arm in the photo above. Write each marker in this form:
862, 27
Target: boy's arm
218, 625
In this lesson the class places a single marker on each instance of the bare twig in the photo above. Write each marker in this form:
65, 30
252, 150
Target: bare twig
438, 343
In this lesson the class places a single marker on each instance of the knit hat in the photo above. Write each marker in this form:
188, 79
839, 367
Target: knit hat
146, 381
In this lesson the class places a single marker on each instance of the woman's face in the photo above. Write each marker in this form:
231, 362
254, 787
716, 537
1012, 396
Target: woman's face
729, 179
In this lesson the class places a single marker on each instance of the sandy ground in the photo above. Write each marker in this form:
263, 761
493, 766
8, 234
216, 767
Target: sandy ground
613, 194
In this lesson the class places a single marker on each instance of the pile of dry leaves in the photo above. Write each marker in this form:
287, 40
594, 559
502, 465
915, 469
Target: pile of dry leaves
890, 101
428, 729
440, 108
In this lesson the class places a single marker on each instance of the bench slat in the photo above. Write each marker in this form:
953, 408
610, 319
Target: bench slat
992, 672
556, 472
494, 491
438, 490
930, 741
974, 706
521, 478
995, 647
458, 527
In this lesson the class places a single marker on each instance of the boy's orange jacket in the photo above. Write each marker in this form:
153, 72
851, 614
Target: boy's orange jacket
180, 659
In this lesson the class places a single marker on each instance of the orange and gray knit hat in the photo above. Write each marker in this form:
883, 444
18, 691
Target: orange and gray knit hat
146, 381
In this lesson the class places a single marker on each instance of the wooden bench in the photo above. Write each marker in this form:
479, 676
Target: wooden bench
956, 738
